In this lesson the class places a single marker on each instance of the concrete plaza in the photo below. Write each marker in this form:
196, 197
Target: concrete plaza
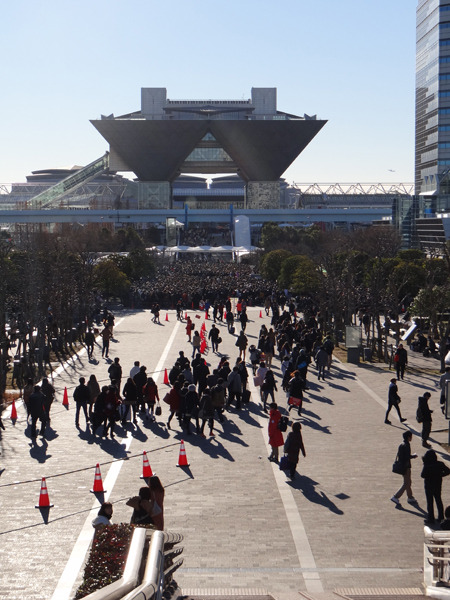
248, 529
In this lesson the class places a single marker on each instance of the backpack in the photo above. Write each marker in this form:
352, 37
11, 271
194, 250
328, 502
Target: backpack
283, 424
419, 415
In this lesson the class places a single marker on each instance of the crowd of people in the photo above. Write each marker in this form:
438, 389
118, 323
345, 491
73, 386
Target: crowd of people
213, 281
202, 392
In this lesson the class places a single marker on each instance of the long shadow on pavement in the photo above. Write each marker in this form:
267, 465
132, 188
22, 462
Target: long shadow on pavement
308, 488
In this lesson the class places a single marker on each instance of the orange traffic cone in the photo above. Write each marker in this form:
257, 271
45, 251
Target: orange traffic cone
203, 346
185, 316
182, 459
166, 378
260, 314
167, 317
98, 484
203, 328
206, 315
146, 468
65, 398
44, 500
13, 411
224, 315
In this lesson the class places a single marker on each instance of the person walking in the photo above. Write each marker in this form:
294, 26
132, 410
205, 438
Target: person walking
82, 398
292, 447
196, 343
206, 413
189, 328
268, 387
321, 358
89, 340
295, 391
49, 392
275, 435
36, 410
140, 379
241, 343
94, 390
115, 372
404, 457
393, 401
151, 396
400, 360
214, 335
106, 336
129, 394
433, 471
424, 416
234, 384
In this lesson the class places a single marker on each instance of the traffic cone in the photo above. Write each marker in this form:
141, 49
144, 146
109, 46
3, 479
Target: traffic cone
13, 411
203, 328
166, 378
224, 315
203, 346
98, 483
185, 316
206, 315
167, 317
65, 401
260, 314
182, 458
44, 500
146, 468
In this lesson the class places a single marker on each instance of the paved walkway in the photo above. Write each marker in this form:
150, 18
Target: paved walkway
247, 528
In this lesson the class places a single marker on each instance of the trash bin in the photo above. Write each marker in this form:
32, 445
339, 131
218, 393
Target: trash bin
353, 355
367, 354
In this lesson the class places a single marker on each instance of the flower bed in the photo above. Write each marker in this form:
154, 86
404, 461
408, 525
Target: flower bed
107, 558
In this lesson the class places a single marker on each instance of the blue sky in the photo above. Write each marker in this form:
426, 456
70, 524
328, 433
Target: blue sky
351, 62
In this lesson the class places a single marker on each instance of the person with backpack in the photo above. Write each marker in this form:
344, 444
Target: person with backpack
423, 416
275, 434
268, 387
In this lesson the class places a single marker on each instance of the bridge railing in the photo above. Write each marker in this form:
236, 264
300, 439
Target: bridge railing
436, 563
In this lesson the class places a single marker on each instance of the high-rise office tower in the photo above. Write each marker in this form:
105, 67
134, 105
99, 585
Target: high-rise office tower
432, 155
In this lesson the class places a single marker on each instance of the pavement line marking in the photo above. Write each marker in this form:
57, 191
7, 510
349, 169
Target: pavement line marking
304, 552
78, 554
77, 557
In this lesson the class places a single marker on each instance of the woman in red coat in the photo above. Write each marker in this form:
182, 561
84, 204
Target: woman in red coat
173, 399
275, 435
189, 327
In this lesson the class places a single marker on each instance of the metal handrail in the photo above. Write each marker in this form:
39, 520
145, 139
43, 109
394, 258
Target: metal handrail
436, 559
151, 587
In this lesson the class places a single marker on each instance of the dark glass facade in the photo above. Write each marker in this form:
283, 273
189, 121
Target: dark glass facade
432, 159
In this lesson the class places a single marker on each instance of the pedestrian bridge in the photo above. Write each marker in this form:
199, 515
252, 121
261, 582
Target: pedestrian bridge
303, 217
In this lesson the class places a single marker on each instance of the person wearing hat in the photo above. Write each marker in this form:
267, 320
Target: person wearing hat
393, 401
425, 415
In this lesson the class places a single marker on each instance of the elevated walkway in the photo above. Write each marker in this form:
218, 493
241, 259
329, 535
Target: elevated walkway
50, 197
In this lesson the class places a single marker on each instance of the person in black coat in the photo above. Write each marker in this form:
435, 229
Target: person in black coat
36, 410
393, 401
404, 457
292, 447
433, 471
425, 413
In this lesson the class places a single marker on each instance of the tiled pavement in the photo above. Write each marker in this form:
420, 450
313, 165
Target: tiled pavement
247, 528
